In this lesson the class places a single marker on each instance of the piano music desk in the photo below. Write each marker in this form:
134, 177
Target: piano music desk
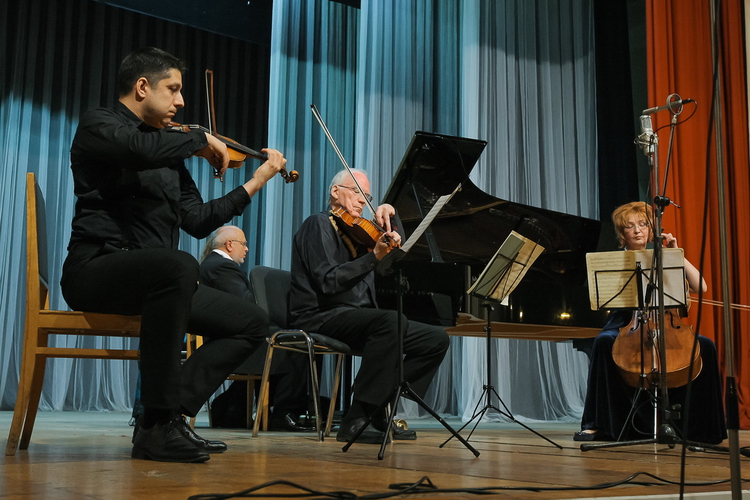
468, 325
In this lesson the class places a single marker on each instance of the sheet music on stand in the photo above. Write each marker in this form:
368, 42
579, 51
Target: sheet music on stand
616, 277
506, 268
397, 254
436, 208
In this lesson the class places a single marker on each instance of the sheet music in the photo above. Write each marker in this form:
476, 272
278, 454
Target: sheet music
673, 263
613, 278
612, 281
507, 267
428, 219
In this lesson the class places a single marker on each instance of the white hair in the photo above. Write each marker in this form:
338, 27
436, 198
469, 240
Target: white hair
339, 178
217, 239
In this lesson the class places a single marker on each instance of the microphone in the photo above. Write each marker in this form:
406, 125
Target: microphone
673, 106
647, 139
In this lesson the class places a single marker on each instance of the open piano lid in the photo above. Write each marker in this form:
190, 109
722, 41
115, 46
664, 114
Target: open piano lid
473, 225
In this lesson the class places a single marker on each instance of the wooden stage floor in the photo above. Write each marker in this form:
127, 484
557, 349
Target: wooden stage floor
87, 455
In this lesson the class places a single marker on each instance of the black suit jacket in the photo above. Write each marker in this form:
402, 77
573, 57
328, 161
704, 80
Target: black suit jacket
226, 275
287, 393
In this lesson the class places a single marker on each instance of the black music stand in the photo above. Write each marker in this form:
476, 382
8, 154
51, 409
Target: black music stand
499, 278
386, 266
616, 281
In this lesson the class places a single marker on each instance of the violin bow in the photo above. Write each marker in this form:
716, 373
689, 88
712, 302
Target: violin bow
209, 75
316, 113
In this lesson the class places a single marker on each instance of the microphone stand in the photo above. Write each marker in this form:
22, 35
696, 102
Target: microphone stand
732, 402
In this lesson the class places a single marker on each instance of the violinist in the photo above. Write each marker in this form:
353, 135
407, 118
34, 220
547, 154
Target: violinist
609, 399
333, 293
134, 195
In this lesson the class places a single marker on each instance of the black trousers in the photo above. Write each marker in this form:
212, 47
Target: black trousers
161, 285
373, 334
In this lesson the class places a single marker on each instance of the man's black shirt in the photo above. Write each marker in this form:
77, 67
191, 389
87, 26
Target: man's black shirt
133, 190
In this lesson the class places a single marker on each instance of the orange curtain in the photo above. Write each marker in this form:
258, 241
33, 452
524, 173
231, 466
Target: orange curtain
680, 60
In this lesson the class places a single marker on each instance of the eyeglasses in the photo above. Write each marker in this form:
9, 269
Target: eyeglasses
356, 191
641, 225
243, 243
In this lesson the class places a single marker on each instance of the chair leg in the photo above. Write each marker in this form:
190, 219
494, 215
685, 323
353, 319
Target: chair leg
250, 393
315, 388
26, 382
21, 406
262, 413
334, 394
35, 393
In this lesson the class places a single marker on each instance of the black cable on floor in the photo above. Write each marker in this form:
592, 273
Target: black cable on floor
426, 486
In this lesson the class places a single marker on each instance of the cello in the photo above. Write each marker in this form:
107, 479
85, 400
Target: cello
635, 351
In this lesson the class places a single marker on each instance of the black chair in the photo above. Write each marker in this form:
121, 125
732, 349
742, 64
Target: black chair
271, 288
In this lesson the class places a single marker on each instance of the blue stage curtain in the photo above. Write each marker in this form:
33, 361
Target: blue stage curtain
519, 74
59, 59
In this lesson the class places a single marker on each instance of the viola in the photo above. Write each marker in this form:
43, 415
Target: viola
237, 152
361, 230
635, 351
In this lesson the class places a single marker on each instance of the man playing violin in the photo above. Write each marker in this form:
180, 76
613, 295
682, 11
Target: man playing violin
333, 293
608, 399
134, 195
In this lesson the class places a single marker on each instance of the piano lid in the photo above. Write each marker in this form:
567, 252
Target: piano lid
473, 225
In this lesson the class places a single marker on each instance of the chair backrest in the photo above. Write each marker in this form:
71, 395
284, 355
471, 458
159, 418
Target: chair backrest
271, 288
37, 274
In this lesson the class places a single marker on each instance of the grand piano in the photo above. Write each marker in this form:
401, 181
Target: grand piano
550, 303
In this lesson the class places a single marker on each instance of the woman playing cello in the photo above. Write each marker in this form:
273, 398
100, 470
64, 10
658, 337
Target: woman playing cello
609, 399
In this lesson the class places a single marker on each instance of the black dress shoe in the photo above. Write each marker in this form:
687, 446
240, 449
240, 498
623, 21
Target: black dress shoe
189, 433
370, 435
400, 433
199, 442
587, 436
165, 442
288, 422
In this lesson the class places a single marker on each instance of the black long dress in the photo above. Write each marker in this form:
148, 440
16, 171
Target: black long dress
609, 400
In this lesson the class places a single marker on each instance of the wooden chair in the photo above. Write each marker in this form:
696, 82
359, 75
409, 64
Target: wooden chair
193, 343
41, 322
271, 289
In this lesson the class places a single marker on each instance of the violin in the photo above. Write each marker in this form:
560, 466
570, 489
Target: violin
361, 230
635, 350
237, 152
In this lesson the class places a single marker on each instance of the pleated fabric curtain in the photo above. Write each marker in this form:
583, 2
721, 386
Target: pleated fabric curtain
59, 59
680, 60
518, 74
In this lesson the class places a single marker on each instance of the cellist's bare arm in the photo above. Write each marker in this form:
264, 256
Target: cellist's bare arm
695, 282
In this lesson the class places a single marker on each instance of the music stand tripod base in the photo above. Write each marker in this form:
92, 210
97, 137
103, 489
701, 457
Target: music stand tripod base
402, 389
488, 390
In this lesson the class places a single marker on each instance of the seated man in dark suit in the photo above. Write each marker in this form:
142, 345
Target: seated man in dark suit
220, 268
